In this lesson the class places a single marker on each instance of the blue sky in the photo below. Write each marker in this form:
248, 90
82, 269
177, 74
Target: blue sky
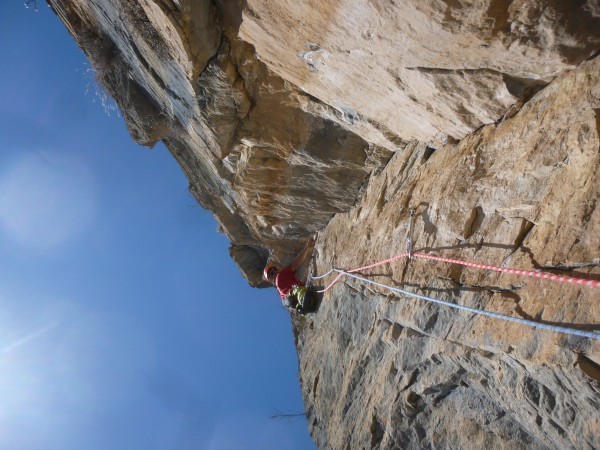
124, 324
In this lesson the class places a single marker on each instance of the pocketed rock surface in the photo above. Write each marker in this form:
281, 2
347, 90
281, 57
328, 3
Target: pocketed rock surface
291, 118
382, 370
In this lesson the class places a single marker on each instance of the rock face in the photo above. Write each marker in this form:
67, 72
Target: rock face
411, 374
296, 117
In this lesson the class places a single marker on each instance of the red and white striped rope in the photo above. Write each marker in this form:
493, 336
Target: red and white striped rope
528, 273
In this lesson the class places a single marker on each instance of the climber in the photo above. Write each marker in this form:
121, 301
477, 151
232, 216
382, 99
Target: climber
295, 296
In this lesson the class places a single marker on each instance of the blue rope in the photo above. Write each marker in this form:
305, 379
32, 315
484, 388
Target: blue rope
322, 276
588, 334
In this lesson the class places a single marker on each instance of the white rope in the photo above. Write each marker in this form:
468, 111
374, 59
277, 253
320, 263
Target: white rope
572, 331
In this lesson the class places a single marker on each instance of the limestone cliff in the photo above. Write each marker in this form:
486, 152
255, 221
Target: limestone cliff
296, 117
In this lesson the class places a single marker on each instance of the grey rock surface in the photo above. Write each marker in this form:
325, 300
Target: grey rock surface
384, 370
291, 118
278, 112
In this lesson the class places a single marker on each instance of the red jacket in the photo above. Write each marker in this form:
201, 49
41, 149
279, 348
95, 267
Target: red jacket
285, 279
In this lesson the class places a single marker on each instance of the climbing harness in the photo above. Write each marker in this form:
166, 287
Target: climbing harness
409, 254
298, 291
299, 300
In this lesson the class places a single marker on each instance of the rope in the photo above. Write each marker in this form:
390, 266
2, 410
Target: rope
528, 273
572, 331
358, 269
545, 275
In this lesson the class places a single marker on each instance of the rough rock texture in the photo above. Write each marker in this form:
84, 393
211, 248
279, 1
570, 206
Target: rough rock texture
261, 102
410, 374
296, 117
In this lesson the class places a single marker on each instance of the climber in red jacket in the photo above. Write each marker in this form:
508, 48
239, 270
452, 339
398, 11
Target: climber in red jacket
294, 294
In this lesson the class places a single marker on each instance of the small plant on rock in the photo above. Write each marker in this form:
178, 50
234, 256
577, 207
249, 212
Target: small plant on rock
99, 93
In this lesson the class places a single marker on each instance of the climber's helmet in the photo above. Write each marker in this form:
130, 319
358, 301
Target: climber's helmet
270, 272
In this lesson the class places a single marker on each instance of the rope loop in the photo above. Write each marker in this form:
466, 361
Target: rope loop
409, 254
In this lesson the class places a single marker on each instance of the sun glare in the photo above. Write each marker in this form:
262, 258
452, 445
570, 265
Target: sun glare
62, 365
46, 199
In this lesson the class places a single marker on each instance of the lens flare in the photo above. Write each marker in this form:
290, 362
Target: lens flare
46, 199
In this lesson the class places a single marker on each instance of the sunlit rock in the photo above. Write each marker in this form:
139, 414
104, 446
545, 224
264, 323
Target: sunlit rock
338, 117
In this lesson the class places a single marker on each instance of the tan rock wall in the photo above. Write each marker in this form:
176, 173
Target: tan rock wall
521, 193
293, 117
424, 70
262, 101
